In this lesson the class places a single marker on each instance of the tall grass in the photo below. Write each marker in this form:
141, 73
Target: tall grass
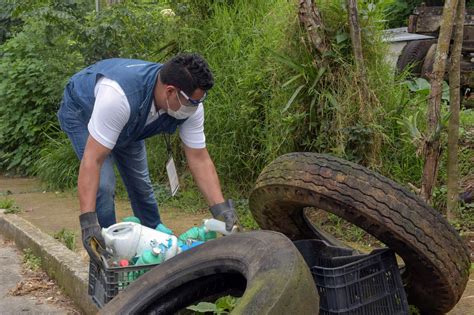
66, 237
273, 94
244, 125
58, 164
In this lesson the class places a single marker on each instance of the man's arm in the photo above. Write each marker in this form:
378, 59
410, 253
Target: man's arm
204, 173
87, 186
89, 174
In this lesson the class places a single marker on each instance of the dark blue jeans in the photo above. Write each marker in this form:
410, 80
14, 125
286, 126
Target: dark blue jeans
132, 165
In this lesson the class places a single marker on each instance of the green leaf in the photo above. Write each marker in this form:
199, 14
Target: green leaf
340, 37
331, 99
287, 61
445, 95
292, 99
410, 124
203, 307
321, 71
418, 85
226, 303
296, 77
423, 84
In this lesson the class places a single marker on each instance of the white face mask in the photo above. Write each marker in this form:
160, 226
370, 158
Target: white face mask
183, 112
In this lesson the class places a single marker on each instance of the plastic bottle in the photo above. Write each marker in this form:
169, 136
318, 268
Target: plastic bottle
156, 255
131, 219
123, 263
218, 226
127, 239
199, 233
189, 244
163, 228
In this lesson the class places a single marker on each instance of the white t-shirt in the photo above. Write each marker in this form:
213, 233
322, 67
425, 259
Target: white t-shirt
112, 111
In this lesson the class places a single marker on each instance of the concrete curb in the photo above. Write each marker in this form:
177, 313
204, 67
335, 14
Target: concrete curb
61, 264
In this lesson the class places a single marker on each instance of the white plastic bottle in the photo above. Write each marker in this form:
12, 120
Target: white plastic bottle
128, 239
218, 226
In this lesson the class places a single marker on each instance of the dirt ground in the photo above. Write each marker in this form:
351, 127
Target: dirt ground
53, 211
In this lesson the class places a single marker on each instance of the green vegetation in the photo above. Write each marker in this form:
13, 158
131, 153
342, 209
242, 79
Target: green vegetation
30, 260
35, 65
398, 12
187, 199
6, 203
57, 164
273, 93
413, 310
66, 237
348, 232
9, 206
223, 305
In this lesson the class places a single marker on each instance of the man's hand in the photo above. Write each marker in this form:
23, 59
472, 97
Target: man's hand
225, 212
91, 231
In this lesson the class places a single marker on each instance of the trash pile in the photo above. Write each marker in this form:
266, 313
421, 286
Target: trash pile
131, 243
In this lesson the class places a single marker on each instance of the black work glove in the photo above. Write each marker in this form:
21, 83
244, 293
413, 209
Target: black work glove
91, 235
225, 212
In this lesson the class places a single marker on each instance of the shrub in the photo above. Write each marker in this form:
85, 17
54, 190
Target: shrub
35, 65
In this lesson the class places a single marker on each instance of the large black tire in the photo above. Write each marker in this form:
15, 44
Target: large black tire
437, 261
264, 267
428, 63
413, 55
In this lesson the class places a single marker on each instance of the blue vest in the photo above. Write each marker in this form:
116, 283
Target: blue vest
137, 78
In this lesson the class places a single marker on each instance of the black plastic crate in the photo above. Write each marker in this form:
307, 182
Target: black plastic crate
355, 284
106, 282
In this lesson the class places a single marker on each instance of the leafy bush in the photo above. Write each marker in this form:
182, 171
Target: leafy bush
55, 41
128, 30
35, 65
7, 21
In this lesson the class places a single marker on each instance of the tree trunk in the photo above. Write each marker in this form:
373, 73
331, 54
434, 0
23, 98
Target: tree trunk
431, 146
367, 99
454, 104
354, 29
356, 39
310, 18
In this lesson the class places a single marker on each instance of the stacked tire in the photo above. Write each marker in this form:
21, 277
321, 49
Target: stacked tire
417, 56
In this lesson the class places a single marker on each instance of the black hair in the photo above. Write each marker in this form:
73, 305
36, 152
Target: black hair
187, 72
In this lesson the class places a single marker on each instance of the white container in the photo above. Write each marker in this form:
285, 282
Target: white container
128, 239
218, 226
